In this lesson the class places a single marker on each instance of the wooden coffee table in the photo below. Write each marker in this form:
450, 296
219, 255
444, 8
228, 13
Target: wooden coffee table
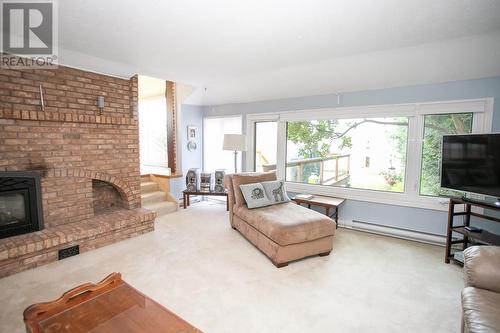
329, 203
111, 305
187, 202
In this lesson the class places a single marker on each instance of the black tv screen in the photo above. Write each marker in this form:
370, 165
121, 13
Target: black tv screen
471, 163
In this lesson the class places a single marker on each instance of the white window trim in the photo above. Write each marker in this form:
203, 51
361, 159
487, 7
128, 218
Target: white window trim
482, 123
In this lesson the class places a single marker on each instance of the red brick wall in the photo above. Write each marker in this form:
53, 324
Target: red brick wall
70, 140
65, 89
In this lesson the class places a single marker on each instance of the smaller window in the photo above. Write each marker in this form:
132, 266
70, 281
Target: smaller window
153, 134
266, 146
435, 126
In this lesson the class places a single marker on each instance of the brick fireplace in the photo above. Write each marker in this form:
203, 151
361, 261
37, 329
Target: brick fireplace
88, 160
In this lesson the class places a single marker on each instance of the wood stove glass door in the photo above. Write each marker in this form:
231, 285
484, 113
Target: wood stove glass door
14, 212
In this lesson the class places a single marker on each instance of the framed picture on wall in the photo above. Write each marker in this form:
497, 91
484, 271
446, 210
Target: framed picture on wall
191, 133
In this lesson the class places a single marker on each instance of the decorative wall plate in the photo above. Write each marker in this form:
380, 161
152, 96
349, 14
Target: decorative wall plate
191, 145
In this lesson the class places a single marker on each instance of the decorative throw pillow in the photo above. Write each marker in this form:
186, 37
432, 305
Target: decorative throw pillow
254, 195
275, 191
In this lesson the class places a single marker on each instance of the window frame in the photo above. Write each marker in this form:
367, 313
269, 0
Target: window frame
145, 156
419, 189
481, 108
251, 121
254, 141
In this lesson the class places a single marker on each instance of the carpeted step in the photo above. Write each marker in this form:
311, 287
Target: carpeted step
162, 208
147, 187
153, 197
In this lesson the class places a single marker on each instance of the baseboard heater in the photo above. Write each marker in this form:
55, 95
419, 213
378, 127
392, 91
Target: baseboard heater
403, 233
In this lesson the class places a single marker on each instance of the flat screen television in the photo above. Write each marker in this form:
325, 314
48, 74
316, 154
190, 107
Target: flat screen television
471, 163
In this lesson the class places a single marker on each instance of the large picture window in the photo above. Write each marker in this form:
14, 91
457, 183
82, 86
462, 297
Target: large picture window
388, 154
363, 153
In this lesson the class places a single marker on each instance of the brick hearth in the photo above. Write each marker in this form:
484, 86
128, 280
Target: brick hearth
89, 161
31, 250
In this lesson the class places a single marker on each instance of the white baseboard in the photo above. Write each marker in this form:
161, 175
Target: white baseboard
402, 233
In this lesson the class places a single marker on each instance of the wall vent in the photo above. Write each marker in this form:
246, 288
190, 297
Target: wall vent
69, 252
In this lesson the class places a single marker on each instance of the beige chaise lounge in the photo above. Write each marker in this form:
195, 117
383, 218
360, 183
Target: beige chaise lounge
283, 232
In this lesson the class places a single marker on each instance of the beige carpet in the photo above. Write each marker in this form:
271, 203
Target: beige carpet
206, 272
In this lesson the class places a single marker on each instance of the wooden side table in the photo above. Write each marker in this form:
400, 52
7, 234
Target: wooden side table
186, 194
329, 203
109, 306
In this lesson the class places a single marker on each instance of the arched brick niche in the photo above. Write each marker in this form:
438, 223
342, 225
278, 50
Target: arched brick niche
119, 185
106, 197
72, 195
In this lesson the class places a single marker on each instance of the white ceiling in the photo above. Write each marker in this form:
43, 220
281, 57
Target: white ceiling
239, 51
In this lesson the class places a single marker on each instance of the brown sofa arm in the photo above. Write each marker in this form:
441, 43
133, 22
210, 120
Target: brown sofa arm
228, 183
482, 267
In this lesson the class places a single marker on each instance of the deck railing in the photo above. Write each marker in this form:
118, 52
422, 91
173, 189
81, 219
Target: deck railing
337, 173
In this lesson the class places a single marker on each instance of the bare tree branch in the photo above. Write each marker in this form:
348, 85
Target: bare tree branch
338, 135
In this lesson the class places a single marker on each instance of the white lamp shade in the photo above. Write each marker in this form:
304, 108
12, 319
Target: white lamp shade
235, 142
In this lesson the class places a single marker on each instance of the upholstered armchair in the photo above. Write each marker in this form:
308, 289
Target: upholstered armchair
481, 295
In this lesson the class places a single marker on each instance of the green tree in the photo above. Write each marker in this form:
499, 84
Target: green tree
314, 139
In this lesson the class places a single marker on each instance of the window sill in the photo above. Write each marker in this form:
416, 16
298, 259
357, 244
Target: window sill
172, 175
387, 198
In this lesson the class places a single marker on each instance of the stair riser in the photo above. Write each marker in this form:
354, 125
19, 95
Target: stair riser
154, 198
149, 187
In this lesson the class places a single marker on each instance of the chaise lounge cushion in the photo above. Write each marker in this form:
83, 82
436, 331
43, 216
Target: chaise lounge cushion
287, 223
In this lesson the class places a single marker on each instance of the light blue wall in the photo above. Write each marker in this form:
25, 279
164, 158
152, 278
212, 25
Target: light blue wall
191, 115
423, 220
488, 87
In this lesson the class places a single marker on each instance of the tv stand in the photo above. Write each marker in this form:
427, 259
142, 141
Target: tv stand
469, 237
488, 204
